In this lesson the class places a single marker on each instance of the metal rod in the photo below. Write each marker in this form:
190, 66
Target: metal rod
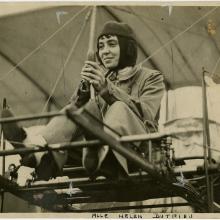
205, 118
133, 178
51, 147
206, 144
73, 169
92, 30
75, 144
207, 131
152, 136
91, 54
31, 117
62, 146
85, 183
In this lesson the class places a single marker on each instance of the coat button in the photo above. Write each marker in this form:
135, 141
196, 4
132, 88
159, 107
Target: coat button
129, 90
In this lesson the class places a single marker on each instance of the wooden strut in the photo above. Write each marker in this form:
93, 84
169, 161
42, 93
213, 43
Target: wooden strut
90, 53
206, 145
3, 158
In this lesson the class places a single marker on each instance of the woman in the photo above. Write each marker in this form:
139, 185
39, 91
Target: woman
127, 96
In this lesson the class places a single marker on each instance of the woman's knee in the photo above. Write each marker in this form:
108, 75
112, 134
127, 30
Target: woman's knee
119, 105
117, 115
118, 108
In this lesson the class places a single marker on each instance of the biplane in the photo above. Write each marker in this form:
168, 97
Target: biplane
42, 51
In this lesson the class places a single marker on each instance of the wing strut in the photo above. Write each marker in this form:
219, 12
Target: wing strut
206, 144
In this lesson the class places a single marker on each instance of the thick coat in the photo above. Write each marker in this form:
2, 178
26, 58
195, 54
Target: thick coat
138, 87
130, 98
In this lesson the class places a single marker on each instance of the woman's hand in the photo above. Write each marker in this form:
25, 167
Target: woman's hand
95, 74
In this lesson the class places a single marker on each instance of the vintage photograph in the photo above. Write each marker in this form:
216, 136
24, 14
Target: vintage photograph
109, 108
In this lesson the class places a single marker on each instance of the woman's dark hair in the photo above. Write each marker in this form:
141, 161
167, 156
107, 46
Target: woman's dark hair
127, 42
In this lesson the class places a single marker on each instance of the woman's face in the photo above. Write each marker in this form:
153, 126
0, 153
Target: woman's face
109, 51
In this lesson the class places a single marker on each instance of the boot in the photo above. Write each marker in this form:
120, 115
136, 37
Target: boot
90, 159
46, 164
111, 168
12, 131
15, 133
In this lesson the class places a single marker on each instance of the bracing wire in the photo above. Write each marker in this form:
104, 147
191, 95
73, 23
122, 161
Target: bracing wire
67, 59
178, 35
150, 19
5, 75
215, 67
156, 36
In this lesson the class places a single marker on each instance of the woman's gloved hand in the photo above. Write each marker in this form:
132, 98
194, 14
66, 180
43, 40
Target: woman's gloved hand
95, 75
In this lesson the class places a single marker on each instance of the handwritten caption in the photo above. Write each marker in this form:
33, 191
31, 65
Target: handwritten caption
142, 216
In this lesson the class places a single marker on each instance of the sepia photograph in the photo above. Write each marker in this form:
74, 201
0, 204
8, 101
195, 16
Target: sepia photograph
109, 108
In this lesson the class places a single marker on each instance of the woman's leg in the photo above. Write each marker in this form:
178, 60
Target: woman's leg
125, 122
59, 129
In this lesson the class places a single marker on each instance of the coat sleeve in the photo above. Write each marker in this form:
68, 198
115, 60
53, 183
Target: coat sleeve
81, 95
146, 106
